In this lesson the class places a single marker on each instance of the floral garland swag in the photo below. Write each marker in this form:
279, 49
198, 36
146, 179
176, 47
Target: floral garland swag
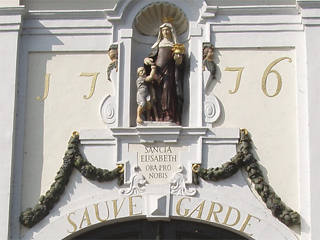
243, 158
72, 159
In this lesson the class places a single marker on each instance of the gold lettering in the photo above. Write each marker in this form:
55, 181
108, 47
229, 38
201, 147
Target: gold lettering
186, 211
72, 223
214, 213
115, 207
267, 72
239, 69
133, 205
246, 223
93, 83
96, 210
198, 209
228, 215
46, 88
86, 218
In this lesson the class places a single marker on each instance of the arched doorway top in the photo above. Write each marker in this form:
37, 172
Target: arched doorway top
174, 229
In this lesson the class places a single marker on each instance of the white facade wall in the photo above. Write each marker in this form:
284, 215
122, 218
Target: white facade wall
34, 34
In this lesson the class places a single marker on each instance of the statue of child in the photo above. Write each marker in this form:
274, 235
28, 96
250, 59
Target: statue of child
144, 99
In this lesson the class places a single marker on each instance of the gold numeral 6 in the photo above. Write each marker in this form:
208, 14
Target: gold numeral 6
267, 72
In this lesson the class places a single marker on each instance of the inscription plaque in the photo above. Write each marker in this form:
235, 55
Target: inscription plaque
158, 163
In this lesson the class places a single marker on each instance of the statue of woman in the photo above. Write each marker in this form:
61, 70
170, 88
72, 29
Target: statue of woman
168, 56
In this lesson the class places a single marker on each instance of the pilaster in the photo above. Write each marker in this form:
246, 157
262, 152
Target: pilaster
310, 12
10, 23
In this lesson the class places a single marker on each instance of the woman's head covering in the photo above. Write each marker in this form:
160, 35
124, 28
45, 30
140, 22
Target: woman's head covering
160, 37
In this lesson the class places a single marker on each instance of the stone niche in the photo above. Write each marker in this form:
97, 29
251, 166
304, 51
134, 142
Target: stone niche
135, 44
141, 146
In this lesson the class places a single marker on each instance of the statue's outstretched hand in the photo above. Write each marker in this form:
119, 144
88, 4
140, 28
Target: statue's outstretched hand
148, 61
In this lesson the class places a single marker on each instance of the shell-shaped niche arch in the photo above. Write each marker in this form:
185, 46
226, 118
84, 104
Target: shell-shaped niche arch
149, 19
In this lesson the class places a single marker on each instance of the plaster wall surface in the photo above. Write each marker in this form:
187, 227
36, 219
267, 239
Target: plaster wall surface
67, 40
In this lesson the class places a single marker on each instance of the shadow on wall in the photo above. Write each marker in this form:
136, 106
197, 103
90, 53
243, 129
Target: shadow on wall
30, 121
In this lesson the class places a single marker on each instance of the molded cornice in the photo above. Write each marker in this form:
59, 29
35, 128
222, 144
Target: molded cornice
310, 11
11, 18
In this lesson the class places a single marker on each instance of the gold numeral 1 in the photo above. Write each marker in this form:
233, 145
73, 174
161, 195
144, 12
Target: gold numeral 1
46, 88
267, 72
93, 83
239, 69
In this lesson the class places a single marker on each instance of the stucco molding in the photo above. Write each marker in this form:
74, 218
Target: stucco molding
310, 12
11, 18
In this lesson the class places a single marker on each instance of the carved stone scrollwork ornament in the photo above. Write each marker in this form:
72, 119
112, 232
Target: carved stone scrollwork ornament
137, 185
211, 109
109, 106
108, 110
178, 185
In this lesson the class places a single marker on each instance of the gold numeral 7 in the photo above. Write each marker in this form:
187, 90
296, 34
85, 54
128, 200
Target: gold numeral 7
93, 83
234, 69
46, 88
